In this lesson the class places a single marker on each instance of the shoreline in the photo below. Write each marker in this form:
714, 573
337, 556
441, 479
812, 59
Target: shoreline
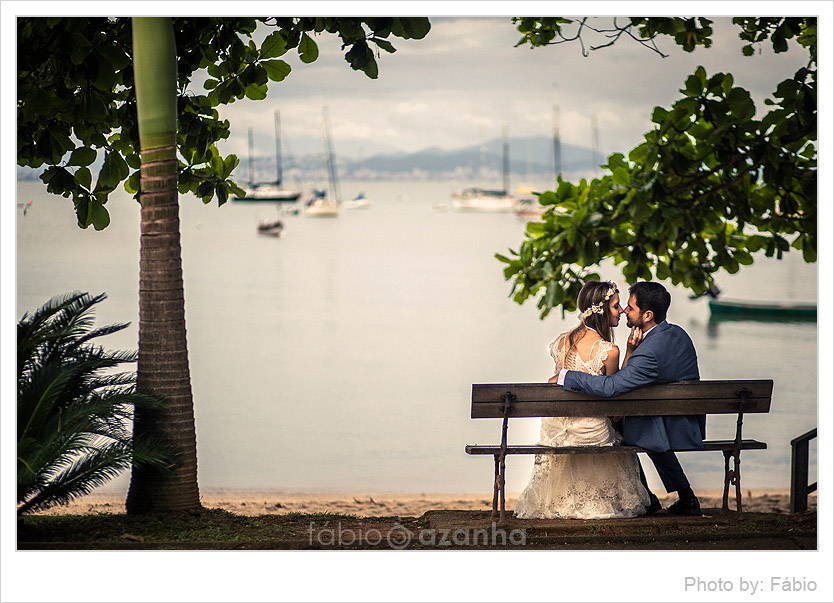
388, 504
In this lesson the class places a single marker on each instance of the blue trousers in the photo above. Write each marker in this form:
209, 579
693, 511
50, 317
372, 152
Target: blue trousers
669, 469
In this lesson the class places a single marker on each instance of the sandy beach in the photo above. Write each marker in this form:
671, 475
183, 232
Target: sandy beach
369, 504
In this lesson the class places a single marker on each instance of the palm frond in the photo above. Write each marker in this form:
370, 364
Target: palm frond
74, 412
80, 477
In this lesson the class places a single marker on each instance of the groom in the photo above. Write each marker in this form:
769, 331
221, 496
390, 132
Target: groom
666, 354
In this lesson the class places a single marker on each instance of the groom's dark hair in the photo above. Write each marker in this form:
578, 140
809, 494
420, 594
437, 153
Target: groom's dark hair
651, 296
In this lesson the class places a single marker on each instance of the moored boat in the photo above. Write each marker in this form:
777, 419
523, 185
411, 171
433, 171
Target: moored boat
360, 201
321, 205
730, 308
478, 199
487, 200
273, 228
267, 192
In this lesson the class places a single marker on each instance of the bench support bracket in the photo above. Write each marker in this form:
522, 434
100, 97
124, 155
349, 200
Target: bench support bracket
733, 475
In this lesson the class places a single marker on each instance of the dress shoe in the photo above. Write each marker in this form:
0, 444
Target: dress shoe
654, 505
685, 506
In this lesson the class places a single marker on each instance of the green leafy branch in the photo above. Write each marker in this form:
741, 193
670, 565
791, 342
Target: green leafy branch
708, 188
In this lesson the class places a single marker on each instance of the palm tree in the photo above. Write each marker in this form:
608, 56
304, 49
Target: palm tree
163, 355
73, 410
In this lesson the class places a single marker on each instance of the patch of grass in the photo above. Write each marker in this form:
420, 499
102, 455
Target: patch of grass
316, 517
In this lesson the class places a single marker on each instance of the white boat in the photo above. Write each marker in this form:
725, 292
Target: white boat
527, 204
486, 200
268, 191
322, 208
482, 200
321, 205
360, 201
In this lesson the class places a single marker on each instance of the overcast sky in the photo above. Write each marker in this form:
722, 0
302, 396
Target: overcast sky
463, 81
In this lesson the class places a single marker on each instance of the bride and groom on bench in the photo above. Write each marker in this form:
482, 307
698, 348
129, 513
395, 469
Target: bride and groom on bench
598, 486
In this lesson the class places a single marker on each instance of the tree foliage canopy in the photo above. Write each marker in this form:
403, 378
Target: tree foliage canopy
713, 183
76, 99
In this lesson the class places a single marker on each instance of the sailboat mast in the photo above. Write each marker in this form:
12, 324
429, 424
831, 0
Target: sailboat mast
280, 175
557, 146
506, 160
251, 178
595, 142
331, 159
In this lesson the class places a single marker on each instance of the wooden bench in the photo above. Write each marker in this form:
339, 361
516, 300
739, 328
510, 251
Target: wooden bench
505, 400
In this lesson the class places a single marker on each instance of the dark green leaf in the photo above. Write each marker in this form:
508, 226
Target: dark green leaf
411, 27
83, 177
114, 170
82, 156
95, 111
275, 45
307, 49
256, 92
384, 44
229, 165
276, 70
132, 183
371, 69
98, 216
222, 194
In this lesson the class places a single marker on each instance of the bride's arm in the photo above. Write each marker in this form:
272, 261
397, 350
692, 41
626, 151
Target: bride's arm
612, 362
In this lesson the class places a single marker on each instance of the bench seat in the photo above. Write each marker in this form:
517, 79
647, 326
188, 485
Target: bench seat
714, 445
516, 400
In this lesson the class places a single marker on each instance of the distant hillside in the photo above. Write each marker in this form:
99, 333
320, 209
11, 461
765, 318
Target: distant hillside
531, 156
528, 157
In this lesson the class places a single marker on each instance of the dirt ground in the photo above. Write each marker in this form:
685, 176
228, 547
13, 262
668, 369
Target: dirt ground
303, 521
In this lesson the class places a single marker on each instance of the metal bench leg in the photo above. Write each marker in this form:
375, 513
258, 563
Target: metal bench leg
734, 476
503, 470
799, 472
737, 479
725, 507
496, 486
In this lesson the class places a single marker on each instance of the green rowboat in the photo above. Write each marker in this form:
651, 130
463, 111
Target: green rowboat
796, 311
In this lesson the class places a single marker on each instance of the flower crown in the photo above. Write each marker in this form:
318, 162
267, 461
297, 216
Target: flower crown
599, 307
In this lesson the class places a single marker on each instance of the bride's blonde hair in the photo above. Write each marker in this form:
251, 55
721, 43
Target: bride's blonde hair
594, 294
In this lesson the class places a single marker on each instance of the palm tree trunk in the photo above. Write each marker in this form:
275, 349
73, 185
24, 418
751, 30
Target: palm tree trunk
163, 353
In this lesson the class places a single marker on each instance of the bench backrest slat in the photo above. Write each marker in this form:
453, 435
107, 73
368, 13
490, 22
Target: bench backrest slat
679, 398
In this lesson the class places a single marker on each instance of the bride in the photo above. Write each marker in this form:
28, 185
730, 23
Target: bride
586, 486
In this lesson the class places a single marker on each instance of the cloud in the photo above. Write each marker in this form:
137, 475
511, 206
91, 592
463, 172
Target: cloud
466, 79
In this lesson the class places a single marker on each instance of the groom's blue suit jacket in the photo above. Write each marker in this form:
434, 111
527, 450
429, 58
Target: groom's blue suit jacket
665, 354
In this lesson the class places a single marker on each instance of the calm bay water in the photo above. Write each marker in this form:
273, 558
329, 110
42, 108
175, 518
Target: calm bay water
341, 356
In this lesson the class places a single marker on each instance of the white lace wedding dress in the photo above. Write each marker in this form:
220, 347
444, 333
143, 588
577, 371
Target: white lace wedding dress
582, 486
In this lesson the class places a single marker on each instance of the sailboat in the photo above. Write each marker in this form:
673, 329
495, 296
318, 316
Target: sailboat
321, 205
268, 191
527, 205
488, 200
